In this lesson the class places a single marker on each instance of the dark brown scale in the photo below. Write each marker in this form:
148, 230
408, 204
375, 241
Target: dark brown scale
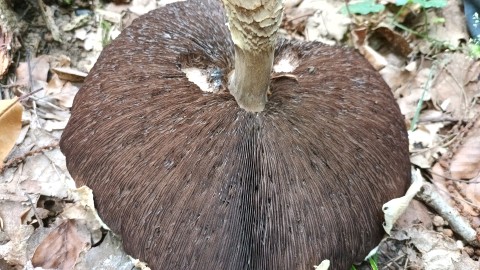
191, 181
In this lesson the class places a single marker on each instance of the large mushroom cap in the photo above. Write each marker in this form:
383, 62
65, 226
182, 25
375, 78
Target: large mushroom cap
191, 181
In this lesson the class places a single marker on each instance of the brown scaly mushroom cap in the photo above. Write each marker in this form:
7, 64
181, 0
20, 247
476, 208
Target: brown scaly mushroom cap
192, 180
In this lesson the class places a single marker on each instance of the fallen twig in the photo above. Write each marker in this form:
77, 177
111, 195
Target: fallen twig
34, 209
47, 16
459, 225
14, 161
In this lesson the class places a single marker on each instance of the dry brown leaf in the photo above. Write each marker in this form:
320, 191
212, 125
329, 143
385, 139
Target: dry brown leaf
62, 247
65, 98
108, 255
411, 92
424, 137
84, 209
437, 250
14, 232
359, 36
13, 251
453, 30
327, 24
39, 70
395, 77
376, 60
465, 165
10, 125
395, 40
463, 195
60, 61
70, 74
294, 20
466, 162
450, 88
416, 213
61, 91
55, 85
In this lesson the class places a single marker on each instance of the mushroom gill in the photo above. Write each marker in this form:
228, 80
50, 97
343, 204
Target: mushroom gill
191, 180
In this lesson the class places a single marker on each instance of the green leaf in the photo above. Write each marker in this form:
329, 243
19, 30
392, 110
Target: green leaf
424, 3
438, 20
474, 49
364, 7
373, 262
431, 3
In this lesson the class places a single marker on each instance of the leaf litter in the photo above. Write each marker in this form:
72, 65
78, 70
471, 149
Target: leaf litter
427, 65
10, 125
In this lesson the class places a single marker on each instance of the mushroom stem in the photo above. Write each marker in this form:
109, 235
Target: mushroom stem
253, 25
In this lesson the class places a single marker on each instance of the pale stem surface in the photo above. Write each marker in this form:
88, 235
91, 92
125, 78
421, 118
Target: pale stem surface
253, 25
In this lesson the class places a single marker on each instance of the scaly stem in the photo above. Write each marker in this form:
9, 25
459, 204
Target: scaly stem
253, 26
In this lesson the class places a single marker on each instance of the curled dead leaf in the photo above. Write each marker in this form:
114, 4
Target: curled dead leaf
395, 40
70, 74
10, 125
360, 36
376, 60
62, 247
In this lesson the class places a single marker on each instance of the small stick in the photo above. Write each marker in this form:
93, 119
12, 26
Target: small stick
40, 222
47, 15
432, 198
17, 100
29, 65
17, 160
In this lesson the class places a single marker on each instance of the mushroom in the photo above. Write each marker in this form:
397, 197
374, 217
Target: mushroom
201, 158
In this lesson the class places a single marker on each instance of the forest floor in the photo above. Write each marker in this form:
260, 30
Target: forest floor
421, 48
